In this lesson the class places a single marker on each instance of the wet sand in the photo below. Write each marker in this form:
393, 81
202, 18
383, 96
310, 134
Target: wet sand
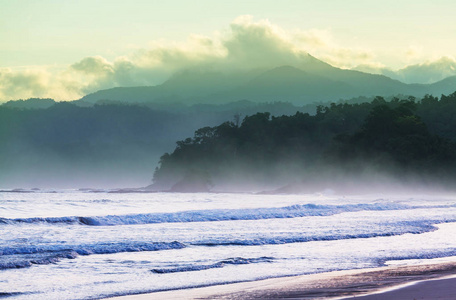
443, 289
387, 283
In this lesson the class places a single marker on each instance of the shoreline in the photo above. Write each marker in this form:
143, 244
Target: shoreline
436, 276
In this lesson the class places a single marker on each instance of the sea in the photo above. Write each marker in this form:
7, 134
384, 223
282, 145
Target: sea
93, 244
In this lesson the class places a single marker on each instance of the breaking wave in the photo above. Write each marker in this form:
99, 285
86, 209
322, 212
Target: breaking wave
292, 211
220, 264
22, 257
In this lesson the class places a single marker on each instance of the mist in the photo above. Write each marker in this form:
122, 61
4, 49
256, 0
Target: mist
363, 177
347, 147
62, 145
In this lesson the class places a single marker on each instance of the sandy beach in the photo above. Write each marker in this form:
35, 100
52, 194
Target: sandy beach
433, 279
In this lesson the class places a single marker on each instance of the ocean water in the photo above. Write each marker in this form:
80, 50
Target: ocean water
89, 245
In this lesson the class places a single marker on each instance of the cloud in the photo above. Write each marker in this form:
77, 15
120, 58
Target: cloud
428, 72
348, 57
373, 68
245, 44
31, 83
93, 65
249, 44
314, 38
23, 82
258, 45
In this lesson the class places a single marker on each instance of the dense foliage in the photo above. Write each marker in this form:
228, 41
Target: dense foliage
403, 136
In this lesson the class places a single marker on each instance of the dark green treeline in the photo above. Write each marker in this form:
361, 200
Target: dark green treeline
403, 138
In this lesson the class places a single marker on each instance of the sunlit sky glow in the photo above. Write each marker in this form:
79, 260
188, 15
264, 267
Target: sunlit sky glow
65, 49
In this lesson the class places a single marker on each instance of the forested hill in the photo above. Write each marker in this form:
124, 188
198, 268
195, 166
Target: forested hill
403, 140
62, 144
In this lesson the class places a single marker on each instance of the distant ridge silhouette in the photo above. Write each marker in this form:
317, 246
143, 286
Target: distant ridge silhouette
313, 80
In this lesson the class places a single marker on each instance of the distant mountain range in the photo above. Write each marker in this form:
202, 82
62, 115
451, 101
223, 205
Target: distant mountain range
312, 81
428, 72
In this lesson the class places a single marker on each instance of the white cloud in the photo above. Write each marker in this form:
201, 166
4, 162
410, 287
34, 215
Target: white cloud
314, 38
373, 68
30, 83
258, 45
245, 44
429, 71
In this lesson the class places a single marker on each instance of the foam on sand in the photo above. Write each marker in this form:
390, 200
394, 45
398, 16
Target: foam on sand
332, 285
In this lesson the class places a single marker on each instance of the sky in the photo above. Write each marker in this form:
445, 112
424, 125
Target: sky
66, 49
